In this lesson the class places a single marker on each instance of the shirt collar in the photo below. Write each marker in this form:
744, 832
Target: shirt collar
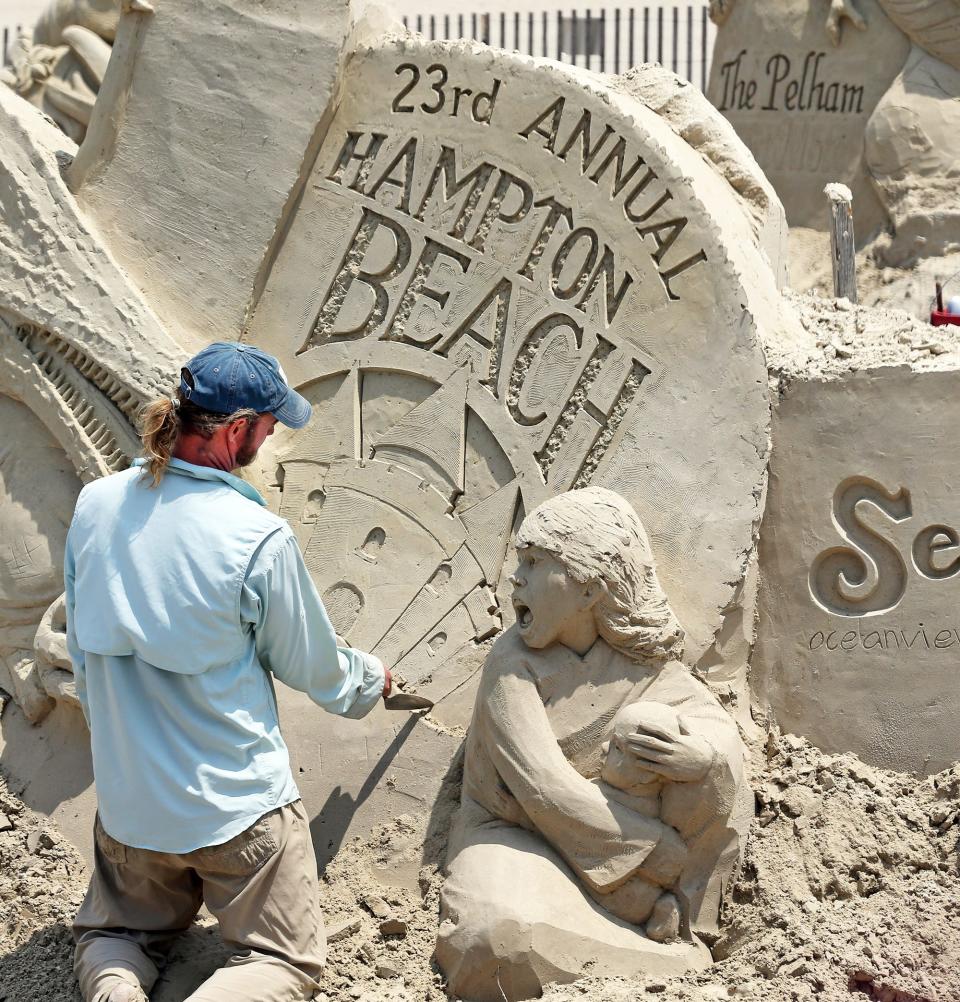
185, 469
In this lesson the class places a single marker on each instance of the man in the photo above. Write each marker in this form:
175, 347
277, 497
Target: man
185, 595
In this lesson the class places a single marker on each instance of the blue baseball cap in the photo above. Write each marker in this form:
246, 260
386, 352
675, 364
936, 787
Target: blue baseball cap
227, 377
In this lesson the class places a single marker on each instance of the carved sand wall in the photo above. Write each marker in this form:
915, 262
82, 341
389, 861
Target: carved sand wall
209, 141
801, 102
495, 295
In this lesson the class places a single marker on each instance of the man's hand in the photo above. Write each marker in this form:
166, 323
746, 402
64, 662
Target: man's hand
387, 682
683, 759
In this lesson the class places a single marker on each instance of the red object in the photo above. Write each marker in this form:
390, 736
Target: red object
940, 317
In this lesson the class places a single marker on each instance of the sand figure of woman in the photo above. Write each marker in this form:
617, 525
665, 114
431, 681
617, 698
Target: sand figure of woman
558, 861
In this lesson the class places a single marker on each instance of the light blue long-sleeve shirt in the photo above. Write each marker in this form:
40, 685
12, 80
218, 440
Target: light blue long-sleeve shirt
182, 602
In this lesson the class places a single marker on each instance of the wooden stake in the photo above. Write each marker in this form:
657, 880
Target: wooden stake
842, 251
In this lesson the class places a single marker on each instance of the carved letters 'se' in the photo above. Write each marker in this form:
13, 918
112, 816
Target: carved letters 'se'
869, 576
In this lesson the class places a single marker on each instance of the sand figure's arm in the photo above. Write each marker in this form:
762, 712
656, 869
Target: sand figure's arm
705, 783
603, 841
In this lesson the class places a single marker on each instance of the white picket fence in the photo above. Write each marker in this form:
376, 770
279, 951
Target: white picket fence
605, 38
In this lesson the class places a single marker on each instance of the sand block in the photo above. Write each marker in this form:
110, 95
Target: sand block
197, 143
505, 279
801, 103
860, 563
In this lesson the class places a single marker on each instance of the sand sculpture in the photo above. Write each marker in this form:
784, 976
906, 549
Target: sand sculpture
871, 91
80, 353
59, 66
622, 861
498, 280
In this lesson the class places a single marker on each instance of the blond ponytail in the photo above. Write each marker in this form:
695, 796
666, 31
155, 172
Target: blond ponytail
165, 420
160, 430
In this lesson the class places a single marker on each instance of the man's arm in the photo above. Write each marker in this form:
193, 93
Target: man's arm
295, 638
77, 658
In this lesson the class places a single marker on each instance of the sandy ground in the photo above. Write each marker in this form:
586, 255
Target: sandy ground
849, 888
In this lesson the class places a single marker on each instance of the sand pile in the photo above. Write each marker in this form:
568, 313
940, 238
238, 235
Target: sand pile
850, 889
42, 882
849, 338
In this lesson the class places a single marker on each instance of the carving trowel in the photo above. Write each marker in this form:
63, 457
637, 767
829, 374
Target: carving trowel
407, 701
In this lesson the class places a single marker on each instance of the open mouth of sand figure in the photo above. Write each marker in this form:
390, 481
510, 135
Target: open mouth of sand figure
524, 615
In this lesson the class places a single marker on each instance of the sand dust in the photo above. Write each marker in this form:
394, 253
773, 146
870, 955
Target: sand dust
849, 889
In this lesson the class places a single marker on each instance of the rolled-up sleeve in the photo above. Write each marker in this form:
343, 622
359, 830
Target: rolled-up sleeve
295, 638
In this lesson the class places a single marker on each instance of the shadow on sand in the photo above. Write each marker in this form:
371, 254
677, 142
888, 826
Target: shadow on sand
330, 825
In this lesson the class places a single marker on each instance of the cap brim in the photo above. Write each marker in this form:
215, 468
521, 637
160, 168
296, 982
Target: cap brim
294, 410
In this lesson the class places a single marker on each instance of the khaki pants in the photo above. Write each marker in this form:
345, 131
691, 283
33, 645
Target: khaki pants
261, 886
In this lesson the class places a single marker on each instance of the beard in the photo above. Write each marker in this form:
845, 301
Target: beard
248, 451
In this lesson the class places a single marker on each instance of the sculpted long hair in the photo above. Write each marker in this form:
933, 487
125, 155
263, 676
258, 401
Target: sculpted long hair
598, 537
163, 421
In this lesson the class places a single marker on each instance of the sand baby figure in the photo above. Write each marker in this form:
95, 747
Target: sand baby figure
638, 729
603, 806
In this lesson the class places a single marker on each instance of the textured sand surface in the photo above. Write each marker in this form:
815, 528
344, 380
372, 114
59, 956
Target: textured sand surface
849, 888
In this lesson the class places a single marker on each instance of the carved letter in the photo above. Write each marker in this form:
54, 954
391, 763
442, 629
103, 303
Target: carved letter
581, 131
366, 159
620, 180
583, 272
494, 209
407, 156
607, 422
554, 113
612, 297
417, 286
499, 297
935, 539
557, 212
350, 271
524, 360
679, 269
452, 185
869, 575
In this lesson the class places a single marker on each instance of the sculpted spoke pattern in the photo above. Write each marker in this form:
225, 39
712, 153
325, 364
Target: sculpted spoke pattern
403, 541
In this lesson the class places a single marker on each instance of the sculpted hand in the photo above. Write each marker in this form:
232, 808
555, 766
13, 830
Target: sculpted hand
682, 758
841, 10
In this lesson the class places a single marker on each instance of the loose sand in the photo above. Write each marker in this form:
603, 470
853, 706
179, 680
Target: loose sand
850, 887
